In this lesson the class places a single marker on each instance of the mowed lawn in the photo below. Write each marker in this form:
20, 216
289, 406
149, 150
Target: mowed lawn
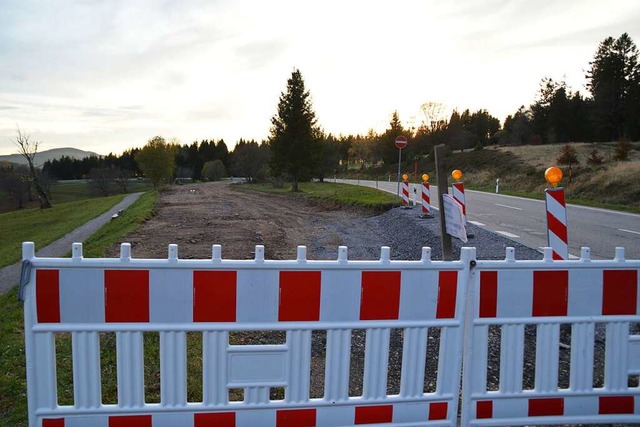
73, 191
44, 226
13, 385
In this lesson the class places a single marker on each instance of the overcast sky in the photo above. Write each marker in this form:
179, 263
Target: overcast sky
106, 75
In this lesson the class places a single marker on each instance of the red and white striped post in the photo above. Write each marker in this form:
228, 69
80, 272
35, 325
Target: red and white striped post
405, 192
457, 190
426, 197
556, 215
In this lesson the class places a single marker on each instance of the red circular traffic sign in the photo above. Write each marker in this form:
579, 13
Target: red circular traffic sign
401, 142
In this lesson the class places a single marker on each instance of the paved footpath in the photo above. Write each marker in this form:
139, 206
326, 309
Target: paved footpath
10, 275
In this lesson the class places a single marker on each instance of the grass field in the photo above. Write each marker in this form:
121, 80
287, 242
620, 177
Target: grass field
45, 226
71, 191
13, 400
341, 194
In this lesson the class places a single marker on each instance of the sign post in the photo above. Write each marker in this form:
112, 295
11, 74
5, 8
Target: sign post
401, 142
443, 189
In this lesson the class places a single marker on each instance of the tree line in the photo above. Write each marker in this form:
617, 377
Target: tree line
610, 113
298, 149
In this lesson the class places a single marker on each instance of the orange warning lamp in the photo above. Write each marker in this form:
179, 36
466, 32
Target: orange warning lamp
425, 177
456, 174
405, 176
553, 175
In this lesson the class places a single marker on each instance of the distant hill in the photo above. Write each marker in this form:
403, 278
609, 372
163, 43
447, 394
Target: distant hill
52, 154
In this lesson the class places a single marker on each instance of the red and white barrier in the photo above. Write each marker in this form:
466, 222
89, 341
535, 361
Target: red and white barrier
215, 297
518, 307
426, 198
557, 222
509, 308
405, 194
457, 191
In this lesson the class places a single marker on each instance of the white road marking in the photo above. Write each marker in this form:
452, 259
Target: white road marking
479, 224
507, 234
510, 207
629, 231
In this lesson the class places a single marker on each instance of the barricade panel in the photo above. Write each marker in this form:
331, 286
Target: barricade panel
331, 343
152, 309
576, 308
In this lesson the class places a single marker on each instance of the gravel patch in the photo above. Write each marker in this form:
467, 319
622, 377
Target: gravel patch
406, 233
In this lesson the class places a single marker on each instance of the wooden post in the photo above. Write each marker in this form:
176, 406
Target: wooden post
443, 188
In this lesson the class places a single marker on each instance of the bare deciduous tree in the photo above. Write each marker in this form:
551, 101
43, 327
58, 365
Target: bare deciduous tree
435, 117
28, 149
121, 179
101, 180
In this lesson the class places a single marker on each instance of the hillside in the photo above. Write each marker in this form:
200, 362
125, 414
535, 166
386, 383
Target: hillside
614, 184
52, 154
521, 170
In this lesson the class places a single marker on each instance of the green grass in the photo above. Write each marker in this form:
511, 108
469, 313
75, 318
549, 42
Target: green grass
70, 191
13, 382
66, 192
341, 194
45, 226
13, 398
114, 231
73, 191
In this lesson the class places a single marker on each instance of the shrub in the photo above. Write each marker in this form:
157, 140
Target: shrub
623, 147
568, 155
595, 158
213, 170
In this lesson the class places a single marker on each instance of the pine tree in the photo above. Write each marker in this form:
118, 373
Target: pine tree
623, 147
387, 146
295, 146
614, 81
568, 155
595, 158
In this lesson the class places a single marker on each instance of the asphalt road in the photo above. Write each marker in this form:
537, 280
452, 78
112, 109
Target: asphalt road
524, 221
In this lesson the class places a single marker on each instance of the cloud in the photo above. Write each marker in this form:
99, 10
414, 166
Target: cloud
261, 53
121, 71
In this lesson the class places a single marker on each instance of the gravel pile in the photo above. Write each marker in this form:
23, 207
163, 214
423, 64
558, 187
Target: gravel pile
406, 233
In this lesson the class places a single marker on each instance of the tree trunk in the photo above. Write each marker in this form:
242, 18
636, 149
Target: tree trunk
294, 184
42, 195
29, 195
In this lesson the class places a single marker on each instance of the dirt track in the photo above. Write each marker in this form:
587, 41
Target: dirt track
197, 216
